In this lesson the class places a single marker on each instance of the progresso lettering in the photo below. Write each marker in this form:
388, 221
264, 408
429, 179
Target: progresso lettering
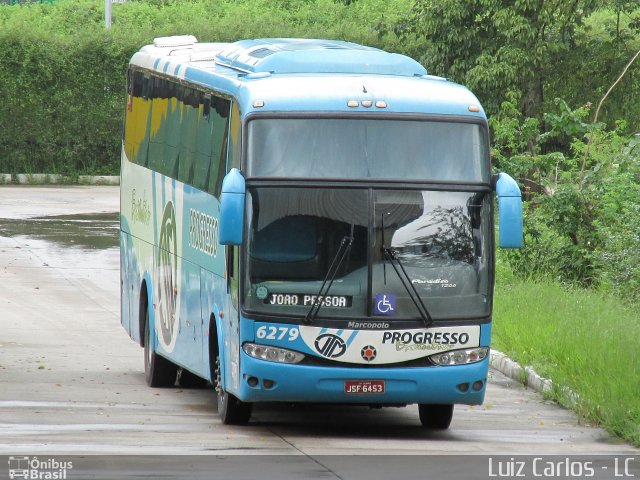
203, 232
425, 338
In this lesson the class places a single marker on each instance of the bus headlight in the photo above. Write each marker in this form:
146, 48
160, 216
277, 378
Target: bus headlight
272, 354
460, 357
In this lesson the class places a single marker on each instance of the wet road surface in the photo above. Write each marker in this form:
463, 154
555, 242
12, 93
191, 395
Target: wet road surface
97, 231
72, 382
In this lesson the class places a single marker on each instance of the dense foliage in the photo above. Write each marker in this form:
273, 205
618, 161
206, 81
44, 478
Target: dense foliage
582, 204
62, 75
538, 50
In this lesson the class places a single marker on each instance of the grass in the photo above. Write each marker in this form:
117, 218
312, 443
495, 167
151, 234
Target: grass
582, 340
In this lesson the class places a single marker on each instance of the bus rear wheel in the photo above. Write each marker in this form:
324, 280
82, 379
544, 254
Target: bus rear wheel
158, 371
231, 410
435, 416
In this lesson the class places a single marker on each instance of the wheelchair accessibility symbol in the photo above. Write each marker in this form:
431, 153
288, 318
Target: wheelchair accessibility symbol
385, 304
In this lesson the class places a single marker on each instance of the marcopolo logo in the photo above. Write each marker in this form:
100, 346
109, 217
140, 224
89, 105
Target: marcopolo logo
330, 345
369, 325
38, 469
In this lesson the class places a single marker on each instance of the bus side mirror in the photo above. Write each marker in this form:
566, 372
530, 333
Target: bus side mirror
510, 211
232, 208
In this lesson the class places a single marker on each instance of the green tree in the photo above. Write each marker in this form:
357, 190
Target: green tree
498, 45
627, 8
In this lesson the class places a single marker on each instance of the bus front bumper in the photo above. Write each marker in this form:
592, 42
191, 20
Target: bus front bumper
263, 381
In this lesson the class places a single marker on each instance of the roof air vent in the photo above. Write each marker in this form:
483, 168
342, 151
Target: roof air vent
203, 57
262, 52
175, 41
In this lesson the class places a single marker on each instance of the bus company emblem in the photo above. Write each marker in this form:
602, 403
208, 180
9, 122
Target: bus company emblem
330, 345
368, 353
262, 292
167, 274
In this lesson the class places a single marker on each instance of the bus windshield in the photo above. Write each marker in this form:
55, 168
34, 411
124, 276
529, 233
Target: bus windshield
440, 239
345, 148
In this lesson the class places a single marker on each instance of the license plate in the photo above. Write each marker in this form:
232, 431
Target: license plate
360, 387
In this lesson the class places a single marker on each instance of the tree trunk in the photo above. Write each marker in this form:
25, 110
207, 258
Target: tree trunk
531, 104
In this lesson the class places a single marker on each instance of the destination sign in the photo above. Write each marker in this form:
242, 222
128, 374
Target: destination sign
305, 300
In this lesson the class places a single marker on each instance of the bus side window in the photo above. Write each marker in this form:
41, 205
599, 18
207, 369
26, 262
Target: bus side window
219, 119
203, 146
188, 128
180, 132
158, 130
129, 124
172, 128
235, 127
137, 118
164, 131
142, 158
211, 144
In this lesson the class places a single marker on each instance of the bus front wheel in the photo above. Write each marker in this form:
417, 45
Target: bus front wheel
158, 371
435, 416
231, 410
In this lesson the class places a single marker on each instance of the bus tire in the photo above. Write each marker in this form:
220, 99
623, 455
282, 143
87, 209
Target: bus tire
158, 371
435, 416
231, 410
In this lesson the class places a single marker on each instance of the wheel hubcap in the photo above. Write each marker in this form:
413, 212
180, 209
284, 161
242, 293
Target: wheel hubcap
218, 377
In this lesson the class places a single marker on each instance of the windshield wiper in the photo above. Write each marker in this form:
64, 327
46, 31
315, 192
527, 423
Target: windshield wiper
390, 254
405, 279
336, 263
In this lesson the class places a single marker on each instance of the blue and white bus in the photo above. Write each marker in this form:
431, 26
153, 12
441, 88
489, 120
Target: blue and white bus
309, 221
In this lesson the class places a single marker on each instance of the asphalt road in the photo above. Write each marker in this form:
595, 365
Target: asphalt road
72, 382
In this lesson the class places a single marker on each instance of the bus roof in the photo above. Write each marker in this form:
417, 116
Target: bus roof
278, 74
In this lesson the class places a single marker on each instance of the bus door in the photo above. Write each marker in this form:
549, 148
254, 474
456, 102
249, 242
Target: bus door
231, 321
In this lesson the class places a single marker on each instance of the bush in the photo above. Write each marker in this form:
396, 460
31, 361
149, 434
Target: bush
63, 75
582, 225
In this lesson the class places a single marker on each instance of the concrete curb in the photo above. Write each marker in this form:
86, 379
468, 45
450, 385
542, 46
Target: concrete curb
55, 179
99, 179
524, 375
528, 377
